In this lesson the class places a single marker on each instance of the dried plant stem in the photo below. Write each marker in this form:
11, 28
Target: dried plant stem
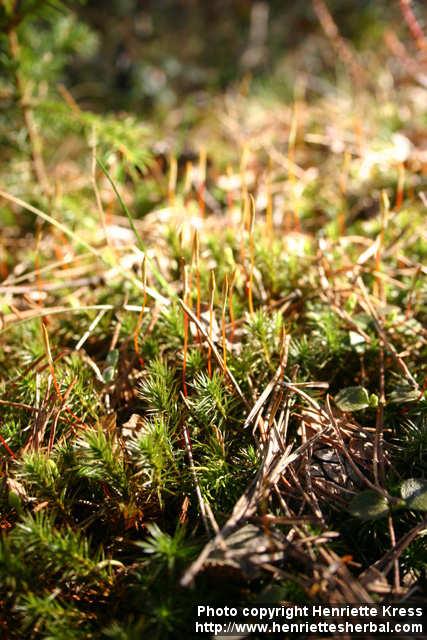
386, 562
400, 187
398, 49
343, 179
396, 559
97, 193
195, 260
223, 323
141, 313
230, 304
202, 181
6, 446
188, 182
38, 165
413, 24
58, 414
211, 307
37, 264
379, 283
173, 174
185, 349
340, 45
251, 251
49, 358
51, 365
378, 460
90, 329
291, 164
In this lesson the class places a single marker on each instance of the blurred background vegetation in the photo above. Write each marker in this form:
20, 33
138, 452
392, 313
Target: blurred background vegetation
151, 55
148, 56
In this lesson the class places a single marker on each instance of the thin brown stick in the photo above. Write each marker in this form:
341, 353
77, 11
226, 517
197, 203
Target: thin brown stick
211, 308
251, 251
378, 460
396, 559
38, 165
185, 349
141, 313
223, 325
97, 193
413, 24
341, 46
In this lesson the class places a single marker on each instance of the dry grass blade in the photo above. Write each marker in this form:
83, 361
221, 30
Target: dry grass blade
80, 241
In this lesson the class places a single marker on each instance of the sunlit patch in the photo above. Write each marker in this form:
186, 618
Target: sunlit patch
296, 243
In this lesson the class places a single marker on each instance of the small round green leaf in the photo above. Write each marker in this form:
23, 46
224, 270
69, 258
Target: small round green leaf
352, 399
369, 505
15, 501
414, 492
373, 400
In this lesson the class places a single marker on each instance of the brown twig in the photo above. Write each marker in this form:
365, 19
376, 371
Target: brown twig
413, 24
38, 165
340, 45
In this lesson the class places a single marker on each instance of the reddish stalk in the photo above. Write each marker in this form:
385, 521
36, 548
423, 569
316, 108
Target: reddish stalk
291, 163
269, 204
224, 306
188, 181
211, 304
396, 570
343, 178
186, 327
98, 195
6, 446
413, 24
141, 313
56, 419
400, 187
51, 367
251, 252
379, 283
38, 165
4, 271
230, 304
202, 182
195, 260
341, 46
173, 174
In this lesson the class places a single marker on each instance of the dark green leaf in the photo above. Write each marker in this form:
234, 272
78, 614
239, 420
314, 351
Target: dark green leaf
352, 399
369, 505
